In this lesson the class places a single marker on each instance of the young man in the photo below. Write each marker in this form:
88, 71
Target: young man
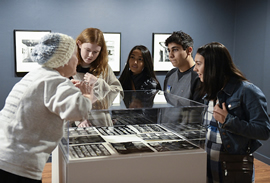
182, 80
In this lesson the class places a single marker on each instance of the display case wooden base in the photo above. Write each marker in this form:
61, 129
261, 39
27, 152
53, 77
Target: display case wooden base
189, 166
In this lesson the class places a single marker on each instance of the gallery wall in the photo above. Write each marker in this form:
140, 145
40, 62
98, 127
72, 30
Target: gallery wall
243, 26
136, 20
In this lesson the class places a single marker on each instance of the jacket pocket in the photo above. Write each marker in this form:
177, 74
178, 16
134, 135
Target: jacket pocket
235, 109
233, 104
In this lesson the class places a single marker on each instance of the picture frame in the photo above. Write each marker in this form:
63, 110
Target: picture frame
160, 53
113, 43
24, 42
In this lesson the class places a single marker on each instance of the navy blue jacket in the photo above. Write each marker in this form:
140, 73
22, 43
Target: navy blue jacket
247, 121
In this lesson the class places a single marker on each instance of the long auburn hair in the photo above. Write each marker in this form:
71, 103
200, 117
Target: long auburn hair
148, 65
218, 69
94, 36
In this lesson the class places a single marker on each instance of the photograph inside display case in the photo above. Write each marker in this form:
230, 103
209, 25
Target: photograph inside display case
124, 139
169, 123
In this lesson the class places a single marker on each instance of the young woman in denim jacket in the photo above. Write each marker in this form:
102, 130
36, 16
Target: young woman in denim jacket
239, 117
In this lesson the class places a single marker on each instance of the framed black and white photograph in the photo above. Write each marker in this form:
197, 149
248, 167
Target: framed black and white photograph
113, 43
24, 42
160, 52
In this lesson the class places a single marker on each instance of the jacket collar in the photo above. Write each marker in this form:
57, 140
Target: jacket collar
232, 85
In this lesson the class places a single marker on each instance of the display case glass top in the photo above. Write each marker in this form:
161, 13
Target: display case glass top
135, 123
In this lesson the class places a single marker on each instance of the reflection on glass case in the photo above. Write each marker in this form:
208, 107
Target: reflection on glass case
136, 131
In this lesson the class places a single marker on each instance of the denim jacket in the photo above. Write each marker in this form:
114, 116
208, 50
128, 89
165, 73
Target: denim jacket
247, 121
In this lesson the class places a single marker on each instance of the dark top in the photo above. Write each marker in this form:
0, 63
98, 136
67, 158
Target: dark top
141, 82
184, 84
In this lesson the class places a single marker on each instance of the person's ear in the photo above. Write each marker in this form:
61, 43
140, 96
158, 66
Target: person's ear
79, 43
189, 50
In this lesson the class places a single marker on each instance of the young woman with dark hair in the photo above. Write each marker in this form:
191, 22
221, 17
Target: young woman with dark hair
239, 114
138, 73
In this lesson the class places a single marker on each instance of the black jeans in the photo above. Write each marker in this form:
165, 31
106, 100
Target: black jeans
12, 178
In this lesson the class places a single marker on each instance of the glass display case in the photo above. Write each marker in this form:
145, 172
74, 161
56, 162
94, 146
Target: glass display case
146, 136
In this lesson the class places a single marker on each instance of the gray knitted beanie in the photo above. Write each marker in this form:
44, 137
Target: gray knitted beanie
54, 50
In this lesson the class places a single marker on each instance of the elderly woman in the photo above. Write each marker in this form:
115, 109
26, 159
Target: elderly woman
33, 117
